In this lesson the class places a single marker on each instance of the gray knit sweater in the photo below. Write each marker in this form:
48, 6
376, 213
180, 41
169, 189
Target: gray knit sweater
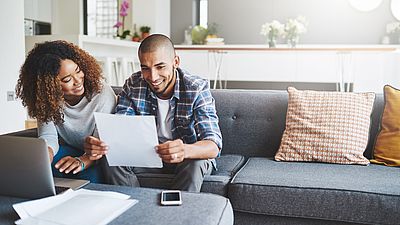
78, 120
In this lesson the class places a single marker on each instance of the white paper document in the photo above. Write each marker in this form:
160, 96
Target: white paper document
130, 139
74, 207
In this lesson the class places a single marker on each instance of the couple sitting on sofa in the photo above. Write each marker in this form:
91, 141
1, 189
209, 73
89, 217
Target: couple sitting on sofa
62, 87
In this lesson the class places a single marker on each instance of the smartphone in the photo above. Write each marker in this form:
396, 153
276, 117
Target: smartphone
171, 197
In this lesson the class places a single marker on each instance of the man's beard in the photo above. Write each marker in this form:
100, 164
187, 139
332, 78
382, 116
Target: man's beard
169, 83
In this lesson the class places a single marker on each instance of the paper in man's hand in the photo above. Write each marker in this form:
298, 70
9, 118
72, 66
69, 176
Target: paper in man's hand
130, 139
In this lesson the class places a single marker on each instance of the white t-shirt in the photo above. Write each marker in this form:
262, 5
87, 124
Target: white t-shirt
164, 120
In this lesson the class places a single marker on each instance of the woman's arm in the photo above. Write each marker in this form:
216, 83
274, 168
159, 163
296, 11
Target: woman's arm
48, 132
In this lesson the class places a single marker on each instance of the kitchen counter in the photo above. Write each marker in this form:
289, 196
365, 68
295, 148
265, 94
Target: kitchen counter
367, 67
284, 47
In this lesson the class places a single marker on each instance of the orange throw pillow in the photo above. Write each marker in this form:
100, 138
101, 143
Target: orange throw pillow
387, 144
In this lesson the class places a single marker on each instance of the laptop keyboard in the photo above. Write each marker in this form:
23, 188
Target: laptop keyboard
60, 189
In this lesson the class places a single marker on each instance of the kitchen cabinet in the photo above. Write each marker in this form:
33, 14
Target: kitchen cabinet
39, 10
196, 62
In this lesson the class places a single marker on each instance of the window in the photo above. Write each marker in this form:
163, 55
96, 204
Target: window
203, 13
101, 16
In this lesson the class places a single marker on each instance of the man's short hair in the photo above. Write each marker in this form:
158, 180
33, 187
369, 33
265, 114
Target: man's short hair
155, 42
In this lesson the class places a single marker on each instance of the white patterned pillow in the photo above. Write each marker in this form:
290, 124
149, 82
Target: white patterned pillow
330, 127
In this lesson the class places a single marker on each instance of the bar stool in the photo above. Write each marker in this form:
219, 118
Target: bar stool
217, 56
128, 67
111, 71
345, 71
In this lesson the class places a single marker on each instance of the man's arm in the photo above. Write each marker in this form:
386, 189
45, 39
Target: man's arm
206, 119
176, 151
207, 130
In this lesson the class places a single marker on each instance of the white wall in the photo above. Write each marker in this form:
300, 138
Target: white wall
181, 18
153, 13
12, 54
330, 22
67, 17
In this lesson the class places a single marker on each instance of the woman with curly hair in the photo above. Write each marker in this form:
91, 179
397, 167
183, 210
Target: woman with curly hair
61, 86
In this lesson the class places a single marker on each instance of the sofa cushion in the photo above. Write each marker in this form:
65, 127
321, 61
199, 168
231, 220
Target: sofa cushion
349, 193
326, 127
251, 121
387, 145
216, 183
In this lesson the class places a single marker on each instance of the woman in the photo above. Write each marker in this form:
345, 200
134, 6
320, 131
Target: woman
61, 86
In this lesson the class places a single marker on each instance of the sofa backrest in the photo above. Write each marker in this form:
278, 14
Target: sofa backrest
252, 122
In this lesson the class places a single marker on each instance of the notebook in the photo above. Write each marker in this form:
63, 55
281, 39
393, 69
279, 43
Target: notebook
25, 169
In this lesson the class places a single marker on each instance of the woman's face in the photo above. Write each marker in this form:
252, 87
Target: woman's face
71, 79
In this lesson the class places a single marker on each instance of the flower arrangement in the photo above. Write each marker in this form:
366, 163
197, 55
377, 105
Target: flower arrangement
123, 12
393, 27
293, 29
272, 31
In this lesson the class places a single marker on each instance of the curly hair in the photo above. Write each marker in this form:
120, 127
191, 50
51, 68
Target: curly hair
39, 87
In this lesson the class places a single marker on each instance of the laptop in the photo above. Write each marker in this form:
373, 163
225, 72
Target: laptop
25, 169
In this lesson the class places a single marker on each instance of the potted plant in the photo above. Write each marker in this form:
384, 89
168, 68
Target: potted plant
145, 30
123, 12
135, 36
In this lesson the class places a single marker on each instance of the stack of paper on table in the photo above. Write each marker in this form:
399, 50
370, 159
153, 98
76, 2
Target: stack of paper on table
74, 207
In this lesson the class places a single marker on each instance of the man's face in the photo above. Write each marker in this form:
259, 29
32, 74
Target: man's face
158, 70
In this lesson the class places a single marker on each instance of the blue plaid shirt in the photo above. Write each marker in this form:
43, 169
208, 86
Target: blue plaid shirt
195, 117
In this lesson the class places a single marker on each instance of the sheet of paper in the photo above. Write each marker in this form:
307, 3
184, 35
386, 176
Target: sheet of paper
104, 207
130, 139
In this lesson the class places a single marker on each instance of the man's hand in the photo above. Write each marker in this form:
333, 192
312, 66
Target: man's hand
68, 164
95, 148
171, 151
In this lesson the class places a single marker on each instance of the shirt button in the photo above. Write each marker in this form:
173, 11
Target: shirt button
154, 108
234, 117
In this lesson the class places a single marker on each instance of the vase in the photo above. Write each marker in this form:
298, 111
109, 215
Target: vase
292, 41
272, 43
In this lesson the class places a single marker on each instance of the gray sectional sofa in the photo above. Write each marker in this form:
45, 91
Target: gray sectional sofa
264, 191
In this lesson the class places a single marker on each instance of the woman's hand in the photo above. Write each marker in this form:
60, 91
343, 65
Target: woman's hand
94, 148
51, 153
69, 163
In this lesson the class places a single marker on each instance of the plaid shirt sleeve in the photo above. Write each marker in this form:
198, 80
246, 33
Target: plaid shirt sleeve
125, 104
206, 119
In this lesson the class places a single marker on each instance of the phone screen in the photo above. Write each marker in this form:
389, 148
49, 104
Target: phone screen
172, 196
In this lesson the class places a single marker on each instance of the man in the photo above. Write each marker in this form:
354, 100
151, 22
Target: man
187, 124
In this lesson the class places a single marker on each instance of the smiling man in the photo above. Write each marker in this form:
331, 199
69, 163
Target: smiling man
187, 123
